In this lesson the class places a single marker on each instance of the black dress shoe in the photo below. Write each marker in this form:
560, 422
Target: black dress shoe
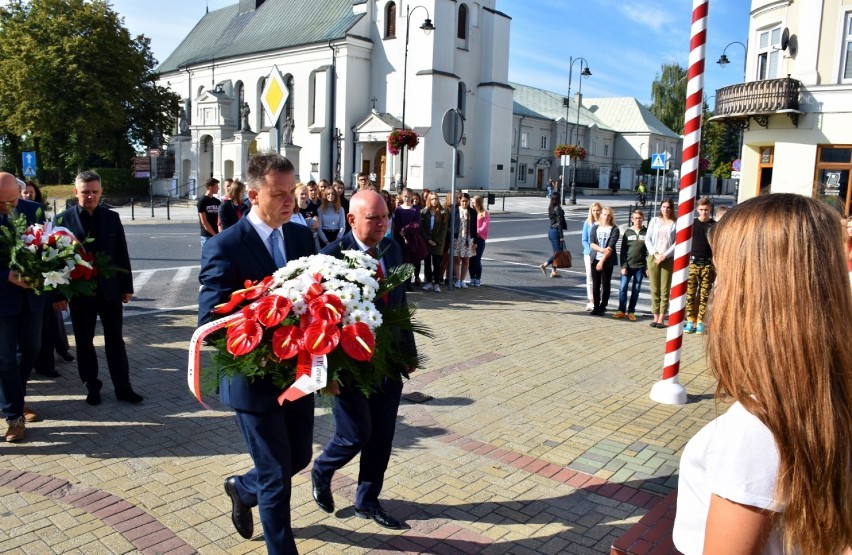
50, 373
380, 517
94, 395
129, 396
322, 494
66, 356
240, 512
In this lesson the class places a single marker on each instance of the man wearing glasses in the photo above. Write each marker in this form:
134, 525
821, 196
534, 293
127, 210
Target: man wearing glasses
88, 219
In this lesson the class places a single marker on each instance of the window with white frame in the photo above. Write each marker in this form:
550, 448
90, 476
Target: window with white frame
769, 53
606, 150
522, 173
525, 139
514, 138
846, 67
544, 142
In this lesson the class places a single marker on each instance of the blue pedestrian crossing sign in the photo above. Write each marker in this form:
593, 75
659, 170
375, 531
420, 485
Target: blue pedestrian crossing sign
658, 161
29, 163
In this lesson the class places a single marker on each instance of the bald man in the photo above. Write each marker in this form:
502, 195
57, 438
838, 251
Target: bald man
366, 424
20, 318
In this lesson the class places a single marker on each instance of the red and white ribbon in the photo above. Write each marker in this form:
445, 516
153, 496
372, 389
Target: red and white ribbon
668, 390
311, 371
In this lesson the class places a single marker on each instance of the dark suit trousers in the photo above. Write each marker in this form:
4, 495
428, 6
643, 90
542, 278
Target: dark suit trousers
20, 336
84, 314
279, 443
365, 424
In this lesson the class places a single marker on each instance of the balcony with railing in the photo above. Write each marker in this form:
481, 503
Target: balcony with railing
758, 100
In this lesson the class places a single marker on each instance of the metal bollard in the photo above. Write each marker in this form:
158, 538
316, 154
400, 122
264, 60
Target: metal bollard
152, 207
168, 210
132, 210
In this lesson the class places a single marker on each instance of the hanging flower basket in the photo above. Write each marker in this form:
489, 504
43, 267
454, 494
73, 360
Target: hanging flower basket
574, 151
401, 138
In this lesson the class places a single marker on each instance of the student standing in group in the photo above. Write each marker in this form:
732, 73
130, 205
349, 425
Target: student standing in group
464, 248
208, 210
483, 222
231, 209
603, 238
633, 265
594, 214
660, 241
332, 218
433, 226
702, 274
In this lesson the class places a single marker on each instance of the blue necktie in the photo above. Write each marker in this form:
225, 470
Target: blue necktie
275, 239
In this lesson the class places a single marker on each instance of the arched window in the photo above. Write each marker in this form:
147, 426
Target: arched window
240, 95
462, 98
462, 28
390, 20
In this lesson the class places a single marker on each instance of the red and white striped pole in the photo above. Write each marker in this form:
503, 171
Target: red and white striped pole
668, 390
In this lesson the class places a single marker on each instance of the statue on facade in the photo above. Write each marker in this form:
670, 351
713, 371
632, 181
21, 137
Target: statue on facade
183, 122
245, 110
287, 130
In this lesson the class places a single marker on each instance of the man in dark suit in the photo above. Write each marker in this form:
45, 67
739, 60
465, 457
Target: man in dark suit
278, 437
365, 424
89, 220
20, 318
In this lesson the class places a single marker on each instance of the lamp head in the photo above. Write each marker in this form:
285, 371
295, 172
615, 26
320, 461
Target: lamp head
586, 73
723, 60
427, 26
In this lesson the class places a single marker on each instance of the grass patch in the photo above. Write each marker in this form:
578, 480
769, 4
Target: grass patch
57, 191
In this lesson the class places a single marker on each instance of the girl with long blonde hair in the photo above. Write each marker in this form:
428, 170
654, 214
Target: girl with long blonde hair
774, 473
585, 239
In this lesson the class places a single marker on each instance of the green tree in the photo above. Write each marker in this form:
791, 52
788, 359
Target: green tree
668, 96
74, 77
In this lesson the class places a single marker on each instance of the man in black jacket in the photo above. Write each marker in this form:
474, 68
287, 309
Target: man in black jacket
89, 220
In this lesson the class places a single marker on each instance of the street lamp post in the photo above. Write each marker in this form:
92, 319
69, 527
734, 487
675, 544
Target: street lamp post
724, 61
427, 28
584, 72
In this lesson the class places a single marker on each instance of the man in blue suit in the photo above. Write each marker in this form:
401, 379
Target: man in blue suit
366, 424
278, 437
90, 220
20, 318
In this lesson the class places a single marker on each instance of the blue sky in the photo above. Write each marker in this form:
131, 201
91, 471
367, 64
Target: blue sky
624, 41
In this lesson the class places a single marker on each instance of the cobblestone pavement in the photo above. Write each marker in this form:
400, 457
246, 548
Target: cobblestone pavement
540, 438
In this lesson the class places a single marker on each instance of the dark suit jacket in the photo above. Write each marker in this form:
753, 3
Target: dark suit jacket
392, 257
227, 260
12, 297
109, 238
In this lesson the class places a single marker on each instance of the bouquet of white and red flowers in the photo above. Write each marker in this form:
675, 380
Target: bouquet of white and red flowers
49, 258
312, 322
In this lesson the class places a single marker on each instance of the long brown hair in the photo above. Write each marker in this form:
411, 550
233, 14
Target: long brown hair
777, 342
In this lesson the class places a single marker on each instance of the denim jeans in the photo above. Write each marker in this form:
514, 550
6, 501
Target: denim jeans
553, 235
18, 333
636, 274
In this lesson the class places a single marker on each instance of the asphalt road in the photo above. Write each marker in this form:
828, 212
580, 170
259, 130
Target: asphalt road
165, 258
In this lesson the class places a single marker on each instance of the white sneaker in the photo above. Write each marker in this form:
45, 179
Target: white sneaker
428, 287
436, 288
590, 307
458, 285
463, 285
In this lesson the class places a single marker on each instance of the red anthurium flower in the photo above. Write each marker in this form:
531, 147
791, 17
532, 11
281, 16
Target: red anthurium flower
358, 341
244, 337
286, 342
82, 272
321, 337
326, 307
255, 290
272, 309
236, 298
314, 291
305, 320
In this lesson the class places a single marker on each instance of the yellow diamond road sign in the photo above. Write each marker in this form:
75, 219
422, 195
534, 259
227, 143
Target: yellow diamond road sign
274, 95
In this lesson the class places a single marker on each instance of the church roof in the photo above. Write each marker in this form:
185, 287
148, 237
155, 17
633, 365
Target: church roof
276, 24
627, 115
539, 103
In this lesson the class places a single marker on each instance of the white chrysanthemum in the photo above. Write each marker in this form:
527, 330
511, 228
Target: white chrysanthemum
300, 307
373, 318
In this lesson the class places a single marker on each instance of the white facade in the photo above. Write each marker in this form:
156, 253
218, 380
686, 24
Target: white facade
347, 94
807, 150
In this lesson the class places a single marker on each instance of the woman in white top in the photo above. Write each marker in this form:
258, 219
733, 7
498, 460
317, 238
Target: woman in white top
660, 241
773, 474
331, 216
